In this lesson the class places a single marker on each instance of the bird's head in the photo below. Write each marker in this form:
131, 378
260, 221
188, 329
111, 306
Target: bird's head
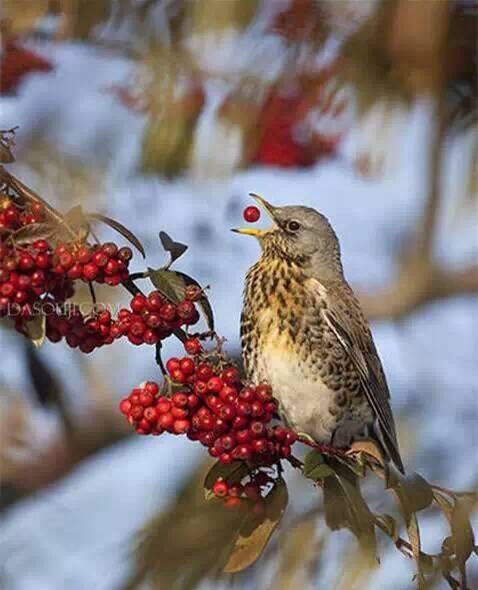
301, 235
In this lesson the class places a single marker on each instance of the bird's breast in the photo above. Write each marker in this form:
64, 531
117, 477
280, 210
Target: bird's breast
304, 399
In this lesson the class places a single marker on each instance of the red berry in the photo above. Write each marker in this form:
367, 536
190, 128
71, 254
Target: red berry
220, 488
83, 255
251, 214
125, 254
264, 393
153, 320
225, 458
187, 366
257, 409
215, 384
232, 503
243, 436
204, 372
90, 271
125, 406
164, 406
166, 421
247, 394
230, 376
155, 301
180, 399
193, 293
26, 262
244, 408
168, 312
145, 399
185, 310
138, 303
259, 445
110, 249
151, 414
99, 258
151, 387
181, 426
178, 376
242, 452
240, 422
150, 337
257, 429
172, 365
192, 346
111, 268
41, 245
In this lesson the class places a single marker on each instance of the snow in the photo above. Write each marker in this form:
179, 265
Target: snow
76, 533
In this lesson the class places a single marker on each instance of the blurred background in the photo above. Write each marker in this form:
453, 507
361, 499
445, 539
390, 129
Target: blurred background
165, 114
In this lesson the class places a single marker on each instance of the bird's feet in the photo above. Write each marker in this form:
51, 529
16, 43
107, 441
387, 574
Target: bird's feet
306, 439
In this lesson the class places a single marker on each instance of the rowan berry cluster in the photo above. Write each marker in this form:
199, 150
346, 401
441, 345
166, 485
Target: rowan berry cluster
236, 494
26, 274
214, 408
102, 263
154, 318
12, 217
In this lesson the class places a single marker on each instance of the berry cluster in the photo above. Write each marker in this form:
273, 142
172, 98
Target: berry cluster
85, 333
26, 274
154, 318
234, 494
13, 217
214, 408
105, 263
148, 322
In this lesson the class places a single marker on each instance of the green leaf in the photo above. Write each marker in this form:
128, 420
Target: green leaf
255, 533
312, 460
172, 284
169, 283
175, 249
232, 473
120, 228
413, 491
361, 519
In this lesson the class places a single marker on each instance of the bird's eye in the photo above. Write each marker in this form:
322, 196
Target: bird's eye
293, 226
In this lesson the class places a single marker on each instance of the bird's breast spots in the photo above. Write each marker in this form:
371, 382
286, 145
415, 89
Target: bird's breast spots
304, 399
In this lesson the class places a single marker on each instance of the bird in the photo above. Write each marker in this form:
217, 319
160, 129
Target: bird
304, 333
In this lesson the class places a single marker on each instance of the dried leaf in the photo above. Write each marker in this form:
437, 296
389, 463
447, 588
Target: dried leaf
76, 219
120, 228
35, 231
6, 156
367, 447
35, 330
463, 537
255, 533
175, 249
233, 473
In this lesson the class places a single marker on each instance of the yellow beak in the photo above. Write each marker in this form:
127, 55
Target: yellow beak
257, 233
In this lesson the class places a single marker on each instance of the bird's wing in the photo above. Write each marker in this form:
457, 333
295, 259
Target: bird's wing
344, 317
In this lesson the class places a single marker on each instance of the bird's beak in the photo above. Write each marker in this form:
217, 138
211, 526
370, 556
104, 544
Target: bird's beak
258, 233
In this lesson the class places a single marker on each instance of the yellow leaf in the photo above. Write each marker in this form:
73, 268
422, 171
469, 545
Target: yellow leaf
35, 330
255, 533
